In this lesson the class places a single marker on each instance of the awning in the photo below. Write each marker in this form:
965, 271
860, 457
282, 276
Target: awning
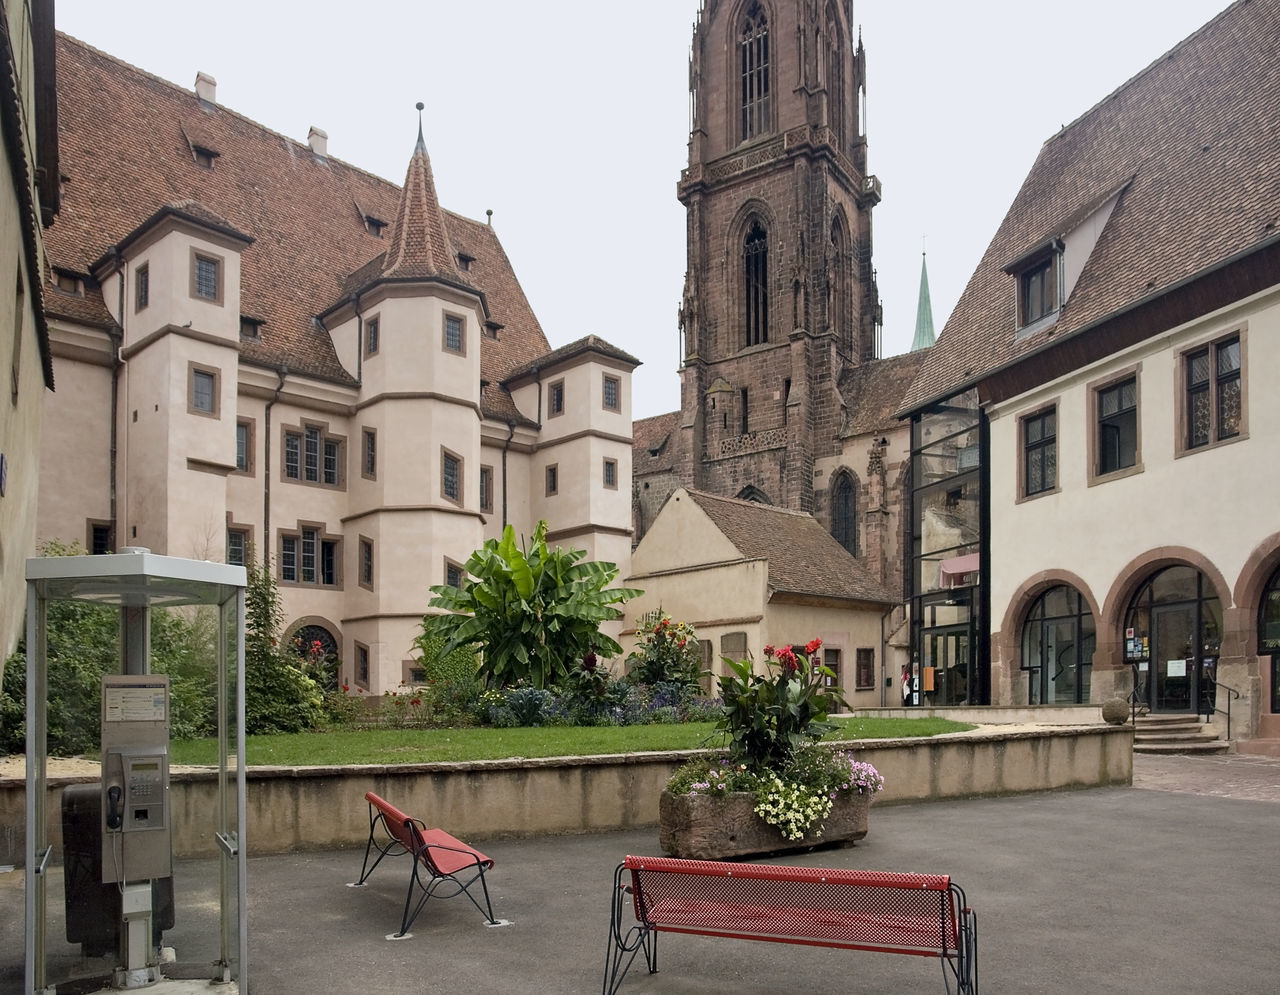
955, 568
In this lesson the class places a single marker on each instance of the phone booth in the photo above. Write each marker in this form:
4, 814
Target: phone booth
146, 888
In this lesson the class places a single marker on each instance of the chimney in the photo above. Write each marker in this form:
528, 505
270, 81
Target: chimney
206, 88
319, 141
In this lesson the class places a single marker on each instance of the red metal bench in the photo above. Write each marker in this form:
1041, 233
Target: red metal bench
921, 914
439, 861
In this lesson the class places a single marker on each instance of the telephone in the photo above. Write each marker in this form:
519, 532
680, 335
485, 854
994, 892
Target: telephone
136, 832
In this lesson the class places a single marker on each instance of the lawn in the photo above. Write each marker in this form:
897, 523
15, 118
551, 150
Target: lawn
404, 746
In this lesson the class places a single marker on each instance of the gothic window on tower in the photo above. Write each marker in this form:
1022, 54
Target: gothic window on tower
753, 49
835, 75
755, 258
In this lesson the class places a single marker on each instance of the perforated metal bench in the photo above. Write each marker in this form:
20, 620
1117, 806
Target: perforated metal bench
440, 861
880, 911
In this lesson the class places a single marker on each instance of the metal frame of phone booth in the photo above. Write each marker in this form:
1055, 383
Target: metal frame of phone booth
135, 580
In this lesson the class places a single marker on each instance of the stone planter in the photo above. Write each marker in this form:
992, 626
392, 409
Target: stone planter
706, 827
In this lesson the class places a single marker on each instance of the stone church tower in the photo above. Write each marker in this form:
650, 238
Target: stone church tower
779, 298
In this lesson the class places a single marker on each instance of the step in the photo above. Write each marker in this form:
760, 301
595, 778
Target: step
1199, 748
1153, 738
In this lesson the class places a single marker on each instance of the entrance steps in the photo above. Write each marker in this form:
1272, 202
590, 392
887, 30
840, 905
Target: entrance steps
1176, 733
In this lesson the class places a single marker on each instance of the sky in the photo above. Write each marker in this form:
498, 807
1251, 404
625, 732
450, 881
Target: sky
570, 119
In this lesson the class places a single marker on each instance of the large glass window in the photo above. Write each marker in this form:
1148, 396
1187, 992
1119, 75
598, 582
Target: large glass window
1173, 631
1058, 640
844, 512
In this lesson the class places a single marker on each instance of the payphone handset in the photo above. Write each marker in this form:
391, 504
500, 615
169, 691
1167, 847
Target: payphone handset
136, 832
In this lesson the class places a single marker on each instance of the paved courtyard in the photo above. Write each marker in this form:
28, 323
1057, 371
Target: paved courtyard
1171, 886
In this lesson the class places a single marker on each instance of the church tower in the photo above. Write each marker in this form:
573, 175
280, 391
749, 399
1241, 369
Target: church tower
779, 296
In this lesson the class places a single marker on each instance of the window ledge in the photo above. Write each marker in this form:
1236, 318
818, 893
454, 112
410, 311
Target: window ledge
1105, 478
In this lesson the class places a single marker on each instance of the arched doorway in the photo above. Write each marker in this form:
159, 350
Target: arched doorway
1058, 639
1173, 631
1269, 638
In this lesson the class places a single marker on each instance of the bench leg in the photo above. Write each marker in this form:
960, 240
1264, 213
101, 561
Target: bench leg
620, 949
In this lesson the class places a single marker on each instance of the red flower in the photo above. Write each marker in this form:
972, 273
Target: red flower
788, 660
416, 702
345, 688
769, 650
813, 646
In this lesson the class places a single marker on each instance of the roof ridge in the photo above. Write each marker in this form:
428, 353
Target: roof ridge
698, 495
1150, 67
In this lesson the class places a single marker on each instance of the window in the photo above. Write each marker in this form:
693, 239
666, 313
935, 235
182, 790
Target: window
366, 563
451, 476
465, 261
362, 665
369, 454
203, 390
744, 409
206, 277
612, 393
68, 283
611, 474
1040, 452
555, 398
100, 538
755, 262
753, 54
244, 447
831, 660
865, 669
486, 488
1117, 413
553, 479
307, 557
203, 156
1039, 292
374, 225
141, 287
237, 547
313, 456
250, 328
453, 574
1213, 409
453, 338
844, 512
371, 331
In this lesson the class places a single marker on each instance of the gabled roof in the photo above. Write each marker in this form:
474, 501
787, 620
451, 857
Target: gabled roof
586, 344
803, 557
126, 152
1190, 141
654, 443
873, 392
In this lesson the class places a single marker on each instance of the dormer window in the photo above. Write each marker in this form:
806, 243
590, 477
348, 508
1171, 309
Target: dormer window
68, 283
491, 329
374, 225
204, 156
465, 261
1038, 276
250, 328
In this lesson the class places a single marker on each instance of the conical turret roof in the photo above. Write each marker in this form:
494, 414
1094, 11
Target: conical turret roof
420, 247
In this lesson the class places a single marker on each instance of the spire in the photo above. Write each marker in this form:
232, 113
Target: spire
419, 245
924, 312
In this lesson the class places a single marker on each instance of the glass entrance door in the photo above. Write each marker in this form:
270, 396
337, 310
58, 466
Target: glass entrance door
947, 652
1173, 659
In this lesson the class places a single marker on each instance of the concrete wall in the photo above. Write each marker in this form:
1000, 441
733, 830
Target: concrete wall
323, 807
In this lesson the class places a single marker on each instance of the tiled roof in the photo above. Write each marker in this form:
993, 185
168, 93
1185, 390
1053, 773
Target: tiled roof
419, 245
873, 392
588, 343
803, 557
1196, 133
654, 443
126, 146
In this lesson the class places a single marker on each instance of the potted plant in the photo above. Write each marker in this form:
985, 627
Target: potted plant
778, 788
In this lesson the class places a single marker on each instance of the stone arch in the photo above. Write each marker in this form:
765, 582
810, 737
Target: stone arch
1261, 563
1135, 573
753, 493
292, 630
1009, 638
753, 217
842, 509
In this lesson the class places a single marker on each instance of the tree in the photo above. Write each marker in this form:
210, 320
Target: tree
279, 696
535, 615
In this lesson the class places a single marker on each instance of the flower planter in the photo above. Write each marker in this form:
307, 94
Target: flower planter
712, 827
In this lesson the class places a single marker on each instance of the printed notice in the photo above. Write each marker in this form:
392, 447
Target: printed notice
1175, 668
135, 703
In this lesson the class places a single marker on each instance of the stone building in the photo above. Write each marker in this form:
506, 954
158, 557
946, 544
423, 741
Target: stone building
263, 348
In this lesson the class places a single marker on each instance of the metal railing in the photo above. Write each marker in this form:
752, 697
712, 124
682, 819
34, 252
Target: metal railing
1208, 700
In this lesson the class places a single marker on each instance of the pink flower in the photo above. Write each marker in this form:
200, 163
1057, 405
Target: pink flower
813, 646
788, 660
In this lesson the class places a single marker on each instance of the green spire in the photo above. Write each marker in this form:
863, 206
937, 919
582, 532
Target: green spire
924, 313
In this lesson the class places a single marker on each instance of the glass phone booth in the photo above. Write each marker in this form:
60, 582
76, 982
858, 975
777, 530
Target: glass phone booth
130, 883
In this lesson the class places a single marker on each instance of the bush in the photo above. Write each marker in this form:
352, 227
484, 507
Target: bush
666, 652
279, 696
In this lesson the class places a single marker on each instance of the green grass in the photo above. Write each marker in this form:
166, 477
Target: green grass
406, 746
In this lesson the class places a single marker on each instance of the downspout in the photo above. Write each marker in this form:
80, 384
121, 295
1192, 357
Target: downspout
282, 371
511, 431
117, 365
355, 306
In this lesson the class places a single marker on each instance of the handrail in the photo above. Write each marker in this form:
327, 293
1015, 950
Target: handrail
1208, 709
1133, 695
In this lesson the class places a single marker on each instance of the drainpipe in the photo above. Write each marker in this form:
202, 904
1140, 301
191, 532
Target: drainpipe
355, 305
116, 333
511, 431
281, 372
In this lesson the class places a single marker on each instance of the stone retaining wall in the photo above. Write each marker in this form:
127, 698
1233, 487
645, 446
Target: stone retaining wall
291, 808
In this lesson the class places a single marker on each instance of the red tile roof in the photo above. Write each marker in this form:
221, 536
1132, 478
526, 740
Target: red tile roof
1192, 141
654, 443
126, 145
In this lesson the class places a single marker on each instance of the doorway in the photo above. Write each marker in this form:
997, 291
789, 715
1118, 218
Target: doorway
947, 652
1173, 632
1173, 659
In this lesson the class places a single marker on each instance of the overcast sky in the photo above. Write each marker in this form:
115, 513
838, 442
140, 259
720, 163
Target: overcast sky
569, 120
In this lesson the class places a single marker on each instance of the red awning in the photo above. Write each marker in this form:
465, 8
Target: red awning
955, 568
